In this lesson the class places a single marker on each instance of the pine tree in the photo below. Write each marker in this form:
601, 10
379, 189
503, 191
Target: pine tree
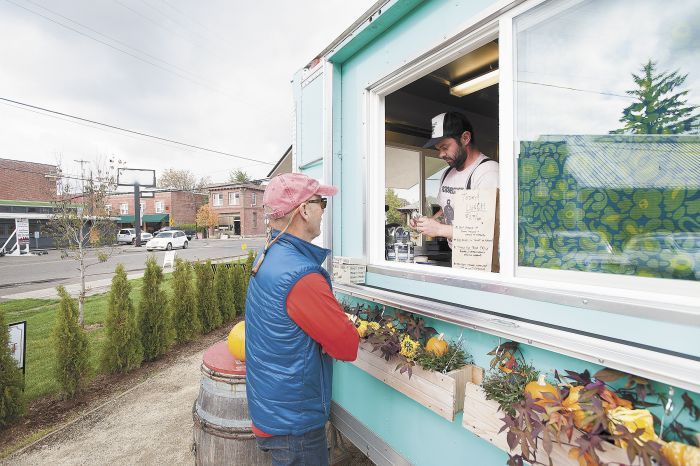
224, 292
71, 343
186, 324
154, 321
207, 305
123, 350
238, 286
248, 267
658, 109
11, 380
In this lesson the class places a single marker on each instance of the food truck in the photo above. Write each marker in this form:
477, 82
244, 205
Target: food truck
584, 265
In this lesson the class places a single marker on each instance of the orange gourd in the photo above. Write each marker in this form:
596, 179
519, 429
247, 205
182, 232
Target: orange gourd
437, 346
236, 341
537, 389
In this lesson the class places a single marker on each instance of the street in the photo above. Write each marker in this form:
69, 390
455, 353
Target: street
28, 273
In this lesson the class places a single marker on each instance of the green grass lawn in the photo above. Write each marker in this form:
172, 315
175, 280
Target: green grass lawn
40, 315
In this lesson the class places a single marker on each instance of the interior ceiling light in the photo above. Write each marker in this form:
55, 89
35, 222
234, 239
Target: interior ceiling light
475, 84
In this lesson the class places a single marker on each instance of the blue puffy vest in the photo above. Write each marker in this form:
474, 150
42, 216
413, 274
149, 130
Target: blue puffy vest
288, 378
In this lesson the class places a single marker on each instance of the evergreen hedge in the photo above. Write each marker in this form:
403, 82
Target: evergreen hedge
207, 306
186, 324
11, 380
71, 345
122, 351
225, 293
238, 286
154, 320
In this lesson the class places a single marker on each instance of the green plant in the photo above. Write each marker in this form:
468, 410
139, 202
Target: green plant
154, 321
248, 267
208, 308
11, 380
237, 278
225, 294
454, 358
507, 388
122, 350
186, 324
71, 346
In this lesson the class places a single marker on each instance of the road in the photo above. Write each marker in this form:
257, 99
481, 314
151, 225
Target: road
29, 273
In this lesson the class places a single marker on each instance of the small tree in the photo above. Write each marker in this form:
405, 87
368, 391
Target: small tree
154, 321
11, 380
224, 292
123, 350
182, 180
238, 176
394, 202
658, 109
206, 217
238, 286
208, 309
71, 344
186, 324
81, 225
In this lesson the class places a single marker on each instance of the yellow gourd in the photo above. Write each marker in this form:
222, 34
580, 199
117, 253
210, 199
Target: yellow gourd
633, 420
437, 346
680, 454
362, 328
236, 341
537, 389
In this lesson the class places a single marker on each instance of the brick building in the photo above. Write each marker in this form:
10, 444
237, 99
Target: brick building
174, 208
26, 191
240, 209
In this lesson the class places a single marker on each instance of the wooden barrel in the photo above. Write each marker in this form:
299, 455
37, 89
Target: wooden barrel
222, 428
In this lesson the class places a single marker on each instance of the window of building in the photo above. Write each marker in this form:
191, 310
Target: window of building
108, 209
253, 199
143, 208
218, 199
234, 199
160, 207
124, 208
606, 183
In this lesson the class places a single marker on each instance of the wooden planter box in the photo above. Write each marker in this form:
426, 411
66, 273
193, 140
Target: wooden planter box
441, 393
482, 417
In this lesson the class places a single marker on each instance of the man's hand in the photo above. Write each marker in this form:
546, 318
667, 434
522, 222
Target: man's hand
431, 227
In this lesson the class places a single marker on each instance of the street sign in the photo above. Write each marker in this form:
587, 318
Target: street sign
132, 176
148, 194
18, 342
22, 225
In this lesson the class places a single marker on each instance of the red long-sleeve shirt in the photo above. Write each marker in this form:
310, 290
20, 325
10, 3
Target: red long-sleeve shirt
312, 306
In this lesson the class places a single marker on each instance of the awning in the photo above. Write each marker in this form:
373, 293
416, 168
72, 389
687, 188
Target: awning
126, 219
155, 218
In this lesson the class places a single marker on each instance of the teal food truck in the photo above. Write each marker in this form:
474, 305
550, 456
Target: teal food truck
584, 267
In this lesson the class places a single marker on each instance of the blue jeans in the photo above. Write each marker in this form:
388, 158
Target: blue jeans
287, 450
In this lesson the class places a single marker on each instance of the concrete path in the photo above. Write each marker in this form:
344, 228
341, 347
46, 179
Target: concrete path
149, 424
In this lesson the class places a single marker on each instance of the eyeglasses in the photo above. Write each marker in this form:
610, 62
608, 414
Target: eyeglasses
323, 202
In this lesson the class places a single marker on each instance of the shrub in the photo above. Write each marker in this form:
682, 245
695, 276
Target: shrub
154, 321
238, 286
186, 324
208, 309
71, 345
224, 292
11, 380
122, 350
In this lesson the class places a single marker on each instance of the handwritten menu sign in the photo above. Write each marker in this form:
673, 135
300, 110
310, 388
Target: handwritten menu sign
349, 270
472, 237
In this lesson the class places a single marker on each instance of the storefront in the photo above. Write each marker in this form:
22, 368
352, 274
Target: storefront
596, 240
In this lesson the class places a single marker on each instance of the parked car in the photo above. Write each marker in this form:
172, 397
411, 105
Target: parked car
128, 236
146, 236
168, 240
191, 234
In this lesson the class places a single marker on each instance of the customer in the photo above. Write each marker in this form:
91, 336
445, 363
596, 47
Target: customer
294, 326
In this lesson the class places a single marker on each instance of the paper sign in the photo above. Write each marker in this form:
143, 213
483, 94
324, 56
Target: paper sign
18, 332
169, 259
472, 237
349, 270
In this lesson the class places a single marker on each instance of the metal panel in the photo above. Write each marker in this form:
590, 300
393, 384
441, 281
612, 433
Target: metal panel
364, 439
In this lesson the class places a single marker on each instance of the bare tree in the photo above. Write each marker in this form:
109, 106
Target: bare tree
238, 176
81, 225
183, 180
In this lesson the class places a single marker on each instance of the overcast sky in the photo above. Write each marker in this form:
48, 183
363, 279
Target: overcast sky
215, 74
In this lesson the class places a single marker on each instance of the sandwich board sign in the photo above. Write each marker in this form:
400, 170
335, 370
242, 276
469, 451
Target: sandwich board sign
18, 342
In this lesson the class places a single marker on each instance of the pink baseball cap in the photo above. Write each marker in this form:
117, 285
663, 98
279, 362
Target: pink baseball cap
286, 192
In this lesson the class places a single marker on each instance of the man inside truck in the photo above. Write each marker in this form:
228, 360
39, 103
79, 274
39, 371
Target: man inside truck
453, 136
294, 327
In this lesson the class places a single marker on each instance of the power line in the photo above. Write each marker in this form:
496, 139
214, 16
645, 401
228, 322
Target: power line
136, 132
